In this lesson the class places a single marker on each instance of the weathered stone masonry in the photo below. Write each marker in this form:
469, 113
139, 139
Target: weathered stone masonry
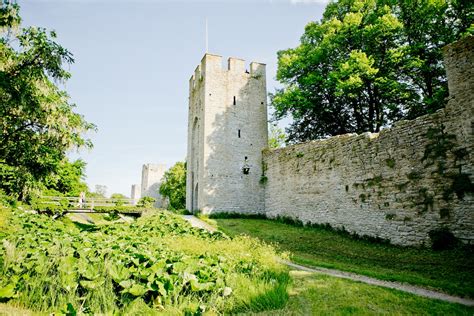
227, 130
152, 176
398, 184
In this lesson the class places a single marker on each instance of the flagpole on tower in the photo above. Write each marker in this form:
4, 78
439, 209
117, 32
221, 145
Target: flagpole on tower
207, 40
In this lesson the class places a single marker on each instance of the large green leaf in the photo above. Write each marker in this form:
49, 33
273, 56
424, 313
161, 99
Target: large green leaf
7, 291
118, 272
92, 285
126, 284
137, 290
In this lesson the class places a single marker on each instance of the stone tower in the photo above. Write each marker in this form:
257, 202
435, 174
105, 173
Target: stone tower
152, 175
135, 193
227, 131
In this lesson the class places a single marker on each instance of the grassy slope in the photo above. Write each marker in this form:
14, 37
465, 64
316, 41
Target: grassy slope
315, 294
450, 271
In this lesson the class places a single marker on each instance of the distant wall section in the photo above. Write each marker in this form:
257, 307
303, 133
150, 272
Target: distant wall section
152, 175
135, 193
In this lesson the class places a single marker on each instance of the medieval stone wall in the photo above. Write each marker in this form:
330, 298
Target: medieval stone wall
135, 193
152, 175
399, 184
227, 130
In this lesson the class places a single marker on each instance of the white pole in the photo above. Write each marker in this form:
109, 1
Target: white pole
207, 40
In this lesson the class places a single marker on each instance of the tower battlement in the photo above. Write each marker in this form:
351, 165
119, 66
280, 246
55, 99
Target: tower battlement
211, 63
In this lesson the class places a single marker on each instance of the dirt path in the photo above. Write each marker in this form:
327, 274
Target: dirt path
196, 222
392, 285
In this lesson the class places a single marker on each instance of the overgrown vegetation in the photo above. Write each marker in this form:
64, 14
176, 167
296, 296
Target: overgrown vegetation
442, 148
158, 263
276, 137
146, 202
447, 270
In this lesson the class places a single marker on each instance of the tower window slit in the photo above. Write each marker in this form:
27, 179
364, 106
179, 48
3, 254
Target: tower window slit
235, 102
238, 133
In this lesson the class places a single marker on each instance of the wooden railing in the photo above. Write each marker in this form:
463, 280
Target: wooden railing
87, 203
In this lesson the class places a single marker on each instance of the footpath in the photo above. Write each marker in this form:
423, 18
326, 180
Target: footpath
413, 289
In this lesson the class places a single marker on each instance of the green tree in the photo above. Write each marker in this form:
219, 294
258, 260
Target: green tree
69, 178
367, 64
427, 27
174, 186
118, 198
37, 122
100, 190
277, 137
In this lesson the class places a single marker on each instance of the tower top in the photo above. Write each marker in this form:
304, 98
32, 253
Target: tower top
213, 63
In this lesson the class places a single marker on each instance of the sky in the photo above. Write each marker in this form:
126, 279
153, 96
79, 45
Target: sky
133, 61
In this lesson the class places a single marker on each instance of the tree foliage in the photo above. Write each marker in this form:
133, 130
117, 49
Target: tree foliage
277, 137
146, 202
366, 64
118, 198
174, 186
37, 122
68, 179
100, 191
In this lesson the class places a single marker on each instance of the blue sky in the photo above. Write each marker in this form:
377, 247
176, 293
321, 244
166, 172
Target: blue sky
133, 60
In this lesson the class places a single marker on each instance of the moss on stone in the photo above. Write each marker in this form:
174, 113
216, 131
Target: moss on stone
390, 162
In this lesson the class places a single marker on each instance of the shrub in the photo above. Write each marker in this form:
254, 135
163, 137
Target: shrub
182, 212
146, 201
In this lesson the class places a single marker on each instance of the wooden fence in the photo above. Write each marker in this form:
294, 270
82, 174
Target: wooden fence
87, 203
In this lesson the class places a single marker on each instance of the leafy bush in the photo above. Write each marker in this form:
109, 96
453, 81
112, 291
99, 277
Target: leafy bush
158, 262
182, 212
146, 201
119, 199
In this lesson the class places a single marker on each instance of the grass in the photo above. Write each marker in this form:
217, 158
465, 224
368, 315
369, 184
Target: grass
316, 294
8, 309
450, 271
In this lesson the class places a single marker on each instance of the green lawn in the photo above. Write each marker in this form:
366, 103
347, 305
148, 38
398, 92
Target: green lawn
316, 294
451, 271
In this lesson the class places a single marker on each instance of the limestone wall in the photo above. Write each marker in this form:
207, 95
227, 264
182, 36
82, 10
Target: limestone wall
399, 184
227, 131
152, 175
135, 193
